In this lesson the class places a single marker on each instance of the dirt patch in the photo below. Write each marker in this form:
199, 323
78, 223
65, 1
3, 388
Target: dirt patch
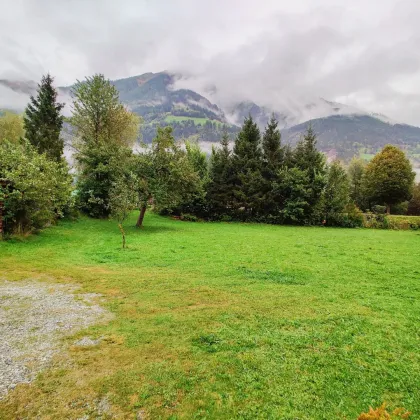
34, 317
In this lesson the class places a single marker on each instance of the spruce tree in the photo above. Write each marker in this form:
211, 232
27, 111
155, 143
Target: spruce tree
219, 188
43, 120
247, 160
273, 155
336, 193
307, 158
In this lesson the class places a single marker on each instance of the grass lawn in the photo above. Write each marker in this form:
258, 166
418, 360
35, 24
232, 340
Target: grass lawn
216, 320
175, 118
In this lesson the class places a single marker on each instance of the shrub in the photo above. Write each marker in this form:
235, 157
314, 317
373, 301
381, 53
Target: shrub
352, 217
39, 189
189, 218
375, 221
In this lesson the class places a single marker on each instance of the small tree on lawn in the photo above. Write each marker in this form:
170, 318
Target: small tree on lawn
123, 200
164, 174
389, 177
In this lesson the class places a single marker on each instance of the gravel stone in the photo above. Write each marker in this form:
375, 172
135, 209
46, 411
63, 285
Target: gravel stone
34, 317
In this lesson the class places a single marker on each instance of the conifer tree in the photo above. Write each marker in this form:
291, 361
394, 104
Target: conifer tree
336, 193
307, 158
219, 188
247, 161
273, 155
43, 120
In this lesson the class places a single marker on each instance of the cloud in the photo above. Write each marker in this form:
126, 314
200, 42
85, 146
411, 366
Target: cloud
278, 53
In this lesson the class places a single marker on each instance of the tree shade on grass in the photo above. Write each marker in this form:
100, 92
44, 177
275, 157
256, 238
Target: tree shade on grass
233, 320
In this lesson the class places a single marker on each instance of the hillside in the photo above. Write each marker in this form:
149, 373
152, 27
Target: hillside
152, 96
343, 131
349, 135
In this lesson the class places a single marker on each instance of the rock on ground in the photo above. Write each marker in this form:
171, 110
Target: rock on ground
34, 317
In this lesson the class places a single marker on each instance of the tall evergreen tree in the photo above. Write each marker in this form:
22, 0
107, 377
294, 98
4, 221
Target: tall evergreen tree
307, 158
247, 160
356, 171
336, 193
43, 120
273, 155
221, 177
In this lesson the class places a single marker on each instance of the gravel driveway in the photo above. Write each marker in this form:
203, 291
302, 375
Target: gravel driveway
34, 317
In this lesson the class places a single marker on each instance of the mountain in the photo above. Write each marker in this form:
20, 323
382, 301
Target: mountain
344, 136
342, 130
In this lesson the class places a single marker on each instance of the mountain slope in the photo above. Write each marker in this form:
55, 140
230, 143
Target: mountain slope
342, 130
351, 134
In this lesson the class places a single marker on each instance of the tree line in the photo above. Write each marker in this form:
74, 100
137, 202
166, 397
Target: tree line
254, 177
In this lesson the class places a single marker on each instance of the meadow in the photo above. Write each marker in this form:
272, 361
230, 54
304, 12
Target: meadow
229, 320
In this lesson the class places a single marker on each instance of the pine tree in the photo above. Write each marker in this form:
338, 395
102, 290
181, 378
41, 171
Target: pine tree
356, 171
307, 158
43, 120
247, 161
336, 193
273, 155
219, 188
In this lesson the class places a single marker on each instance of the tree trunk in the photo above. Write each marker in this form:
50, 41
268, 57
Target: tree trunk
141, 215
388, 209
123, 234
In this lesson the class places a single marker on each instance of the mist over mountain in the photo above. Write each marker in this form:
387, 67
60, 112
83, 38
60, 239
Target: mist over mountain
343, 131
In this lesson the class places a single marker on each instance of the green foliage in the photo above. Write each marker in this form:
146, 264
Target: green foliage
273, 159
221, 178
123, 199
336, 194
98, 115
166, 175
11, 127
356, 171
39, 189
294, 192
247, 163
414, 203
307, 158
100, 166
104, 131
43, 120
389, 177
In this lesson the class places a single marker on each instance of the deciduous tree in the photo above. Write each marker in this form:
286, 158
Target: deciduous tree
389, 177
11, 127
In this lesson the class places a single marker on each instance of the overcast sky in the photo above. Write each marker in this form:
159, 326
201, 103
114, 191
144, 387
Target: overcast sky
364, 53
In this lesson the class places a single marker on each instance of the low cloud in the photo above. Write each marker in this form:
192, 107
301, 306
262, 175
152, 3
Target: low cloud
280, 54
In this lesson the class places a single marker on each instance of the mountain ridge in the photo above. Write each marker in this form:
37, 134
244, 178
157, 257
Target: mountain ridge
341, 128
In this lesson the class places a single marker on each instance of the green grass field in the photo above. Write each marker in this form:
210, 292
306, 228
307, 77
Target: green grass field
218, 321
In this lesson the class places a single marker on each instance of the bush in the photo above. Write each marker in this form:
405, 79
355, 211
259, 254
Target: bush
352, 217
38, 191
379, 209
375, 221
189, 218
404, 222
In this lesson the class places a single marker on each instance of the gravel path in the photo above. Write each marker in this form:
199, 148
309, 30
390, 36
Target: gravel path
33, 318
